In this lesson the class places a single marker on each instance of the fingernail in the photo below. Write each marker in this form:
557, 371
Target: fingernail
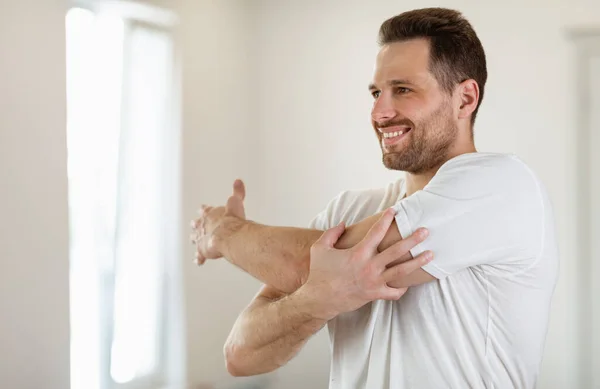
428, 256
423, 232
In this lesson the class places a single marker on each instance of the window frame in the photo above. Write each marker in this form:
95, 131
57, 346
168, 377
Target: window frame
586, 45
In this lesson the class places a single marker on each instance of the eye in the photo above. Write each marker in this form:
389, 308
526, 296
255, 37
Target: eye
402, 91
375, 93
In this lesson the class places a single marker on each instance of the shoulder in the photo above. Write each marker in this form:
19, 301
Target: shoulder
353, 205
480, 173
484, 163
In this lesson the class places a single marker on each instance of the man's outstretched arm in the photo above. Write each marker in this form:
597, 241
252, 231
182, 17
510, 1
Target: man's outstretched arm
280, 256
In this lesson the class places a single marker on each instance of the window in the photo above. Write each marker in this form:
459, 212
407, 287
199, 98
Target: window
587, 193
123, 172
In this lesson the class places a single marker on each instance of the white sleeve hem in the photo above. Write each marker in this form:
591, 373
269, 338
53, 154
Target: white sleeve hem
406, 230
435, 271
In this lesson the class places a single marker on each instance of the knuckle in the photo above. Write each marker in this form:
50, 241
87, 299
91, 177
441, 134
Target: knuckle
381, 227
414, 240
369, 270
356, 254
401, 271
400, 248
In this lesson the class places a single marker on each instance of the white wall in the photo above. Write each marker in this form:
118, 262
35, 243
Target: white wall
34, 300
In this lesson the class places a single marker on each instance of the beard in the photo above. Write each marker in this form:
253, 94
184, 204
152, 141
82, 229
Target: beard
427, 146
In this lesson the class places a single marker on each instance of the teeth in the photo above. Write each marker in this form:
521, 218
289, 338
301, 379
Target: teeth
392, 134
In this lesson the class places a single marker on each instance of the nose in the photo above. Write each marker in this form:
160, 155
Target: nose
383, 109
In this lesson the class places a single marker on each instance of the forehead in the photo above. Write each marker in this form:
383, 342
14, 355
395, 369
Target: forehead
407, 60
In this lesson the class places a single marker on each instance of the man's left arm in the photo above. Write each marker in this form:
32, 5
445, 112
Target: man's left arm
280, 256
480, 209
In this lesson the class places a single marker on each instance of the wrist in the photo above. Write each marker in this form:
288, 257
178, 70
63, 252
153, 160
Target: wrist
228, 226
315, 304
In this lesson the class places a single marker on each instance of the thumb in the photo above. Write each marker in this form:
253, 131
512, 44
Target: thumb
331, 236
235, 206
239, 190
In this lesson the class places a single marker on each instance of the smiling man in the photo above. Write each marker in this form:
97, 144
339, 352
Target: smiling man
476, 315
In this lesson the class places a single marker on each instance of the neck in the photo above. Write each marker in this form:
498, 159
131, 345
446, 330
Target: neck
416, 182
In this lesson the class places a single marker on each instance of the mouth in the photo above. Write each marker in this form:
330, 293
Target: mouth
393, 135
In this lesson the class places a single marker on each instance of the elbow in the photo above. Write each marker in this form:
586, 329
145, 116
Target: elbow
234, 361
240, 363
234, 369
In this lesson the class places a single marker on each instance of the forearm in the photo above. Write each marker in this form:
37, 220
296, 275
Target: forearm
277, 256
269, 333
280, 256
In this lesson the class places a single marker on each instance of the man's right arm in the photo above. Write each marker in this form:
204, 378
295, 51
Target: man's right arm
271, 331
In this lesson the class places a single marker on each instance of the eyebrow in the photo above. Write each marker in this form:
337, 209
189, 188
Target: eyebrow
392, 83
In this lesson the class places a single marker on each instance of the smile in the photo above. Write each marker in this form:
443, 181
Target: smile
390, 137
393, 134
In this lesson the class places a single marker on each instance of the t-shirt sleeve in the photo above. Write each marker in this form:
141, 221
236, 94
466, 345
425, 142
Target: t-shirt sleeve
328, 217
480, 210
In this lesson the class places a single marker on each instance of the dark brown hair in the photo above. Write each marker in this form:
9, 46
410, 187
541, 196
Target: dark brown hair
456, 54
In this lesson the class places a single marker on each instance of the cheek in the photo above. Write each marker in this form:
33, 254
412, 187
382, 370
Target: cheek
412, 109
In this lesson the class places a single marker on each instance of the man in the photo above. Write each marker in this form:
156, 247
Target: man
474, 316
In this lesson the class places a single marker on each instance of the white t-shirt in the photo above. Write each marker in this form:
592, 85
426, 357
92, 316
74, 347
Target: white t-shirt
482, 323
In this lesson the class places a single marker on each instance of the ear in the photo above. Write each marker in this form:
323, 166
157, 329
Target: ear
468, 96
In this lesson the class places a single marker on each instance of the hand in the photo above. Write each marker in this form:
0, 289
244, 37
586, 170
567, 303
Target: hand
206, 228
345, 280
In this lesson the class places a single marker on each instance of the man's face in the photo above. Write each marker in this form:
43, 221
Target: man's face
412, 116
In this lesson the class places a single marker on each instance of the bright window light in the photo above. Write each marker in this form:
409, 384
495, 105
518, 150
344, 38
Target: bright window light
121, 198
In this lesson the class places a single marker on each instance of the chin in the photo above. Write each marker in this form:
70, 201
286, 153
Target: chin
393, 161
399, 162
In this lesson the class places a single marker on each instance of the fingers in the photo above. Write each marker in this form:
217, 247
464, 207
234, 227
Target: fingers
401, 248
406, 268
197, 226
388, 293
378, 230
201, 250
239, 189
200, 259
204, 209
331, 236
